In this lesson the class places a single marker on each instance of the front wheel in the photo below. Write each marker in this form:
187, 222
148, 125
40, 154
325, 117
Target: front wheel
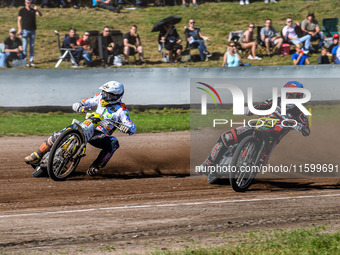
242, 175
63, 158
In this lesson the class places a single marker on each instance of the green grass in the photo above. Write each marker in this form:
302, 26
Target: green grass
216, 20
313, 241
166, 120
23, 124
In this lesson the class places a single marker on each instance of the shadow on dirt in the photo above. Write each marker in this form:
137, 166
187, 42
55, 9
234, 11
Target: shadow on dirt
78, 176
278, 185
295, 185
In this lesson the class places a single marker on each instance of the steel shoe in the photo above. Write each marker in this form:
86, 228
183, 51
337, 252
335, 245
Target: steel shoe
39, 172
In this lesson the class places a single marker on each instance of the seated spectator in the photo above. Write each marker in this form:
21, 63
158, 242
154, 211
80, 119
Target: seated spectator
336, 54
194, 38
323, 58
67, 3
84, 42
70, 42
231, 57
288, 32
271, 37
299, 57
335, 43
194, 3
133, 45
109, 48
172, 42
247, 41
311, 26
107, 4
13, 49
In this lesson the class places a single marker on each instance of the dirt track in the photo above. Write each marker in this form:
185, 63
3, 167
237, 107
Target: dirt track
145, 199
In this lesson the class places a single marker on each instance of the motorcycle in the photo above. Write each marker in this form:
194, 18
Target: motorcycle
245, 159
65, 154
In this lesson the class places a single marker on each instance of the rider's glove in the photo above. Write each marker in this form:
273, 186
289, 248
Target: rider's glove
298, 127
77, 107
124, 129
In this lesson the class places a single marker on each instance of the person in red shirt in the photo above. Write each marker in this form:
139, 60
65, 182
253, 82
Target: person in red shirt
84, 43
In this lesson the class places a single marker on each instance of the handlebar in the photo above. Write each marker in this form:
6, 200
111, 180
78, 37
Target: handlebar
116, 124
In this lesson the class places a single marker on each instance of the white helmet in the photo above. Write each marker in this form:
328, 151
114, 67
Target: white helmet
112, 93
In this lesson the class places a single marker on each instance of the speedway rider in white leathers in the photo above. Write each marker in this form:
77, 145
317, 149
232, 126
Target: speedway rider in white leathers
108, 104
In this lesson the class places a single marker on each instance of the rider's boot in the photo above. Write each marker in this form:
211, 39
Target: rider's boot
34, 158
93, 170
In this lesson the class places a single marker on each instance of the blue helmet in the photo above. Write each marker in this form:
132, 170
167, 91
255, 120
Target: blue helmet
294, 84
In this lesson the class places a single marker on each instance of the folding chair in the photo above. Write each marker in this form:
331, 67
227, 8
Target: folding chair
330, 26
190, 47
100, 50
261, 44
117, 38
65, 53
235, 36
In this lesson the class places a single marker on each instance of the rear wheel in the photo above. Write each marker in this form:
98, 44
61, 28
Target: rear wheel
242, 174
63, 159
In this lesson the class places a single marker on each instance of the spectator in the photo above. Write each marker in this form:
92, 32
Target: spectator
172, 42
84, 43
106, 4
13, 48
311, 26
70, 42
271, 37
335, 43
66, 3
247, 41
231, 57
299, 57
133, 44
336, 54
288, 32
108, 46
323, 58
27, 27
242, 2
194, 3
13, 3
194, 38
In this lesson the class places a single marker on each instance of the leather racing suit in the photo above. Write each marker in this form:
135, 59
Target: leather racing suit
235, 135
102, 135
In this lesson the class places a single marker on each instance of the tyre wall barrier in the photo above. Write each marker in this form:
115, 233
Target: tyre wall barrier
34, 88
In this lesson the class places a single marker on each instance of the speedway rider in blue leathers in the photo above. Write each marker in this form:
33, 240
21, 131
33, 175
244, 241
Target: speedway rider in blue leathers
108, 104
237, 134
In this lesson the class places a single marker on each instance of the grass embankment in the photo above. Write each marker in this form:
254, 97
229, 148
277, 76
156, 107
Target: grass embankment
217, 20
301, 241
23, 124
166, 120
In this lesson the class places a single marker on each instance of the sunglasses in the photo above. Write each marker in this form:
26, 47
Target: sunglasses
251, 27
107, 31
289, 21
232, 46
86, 34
